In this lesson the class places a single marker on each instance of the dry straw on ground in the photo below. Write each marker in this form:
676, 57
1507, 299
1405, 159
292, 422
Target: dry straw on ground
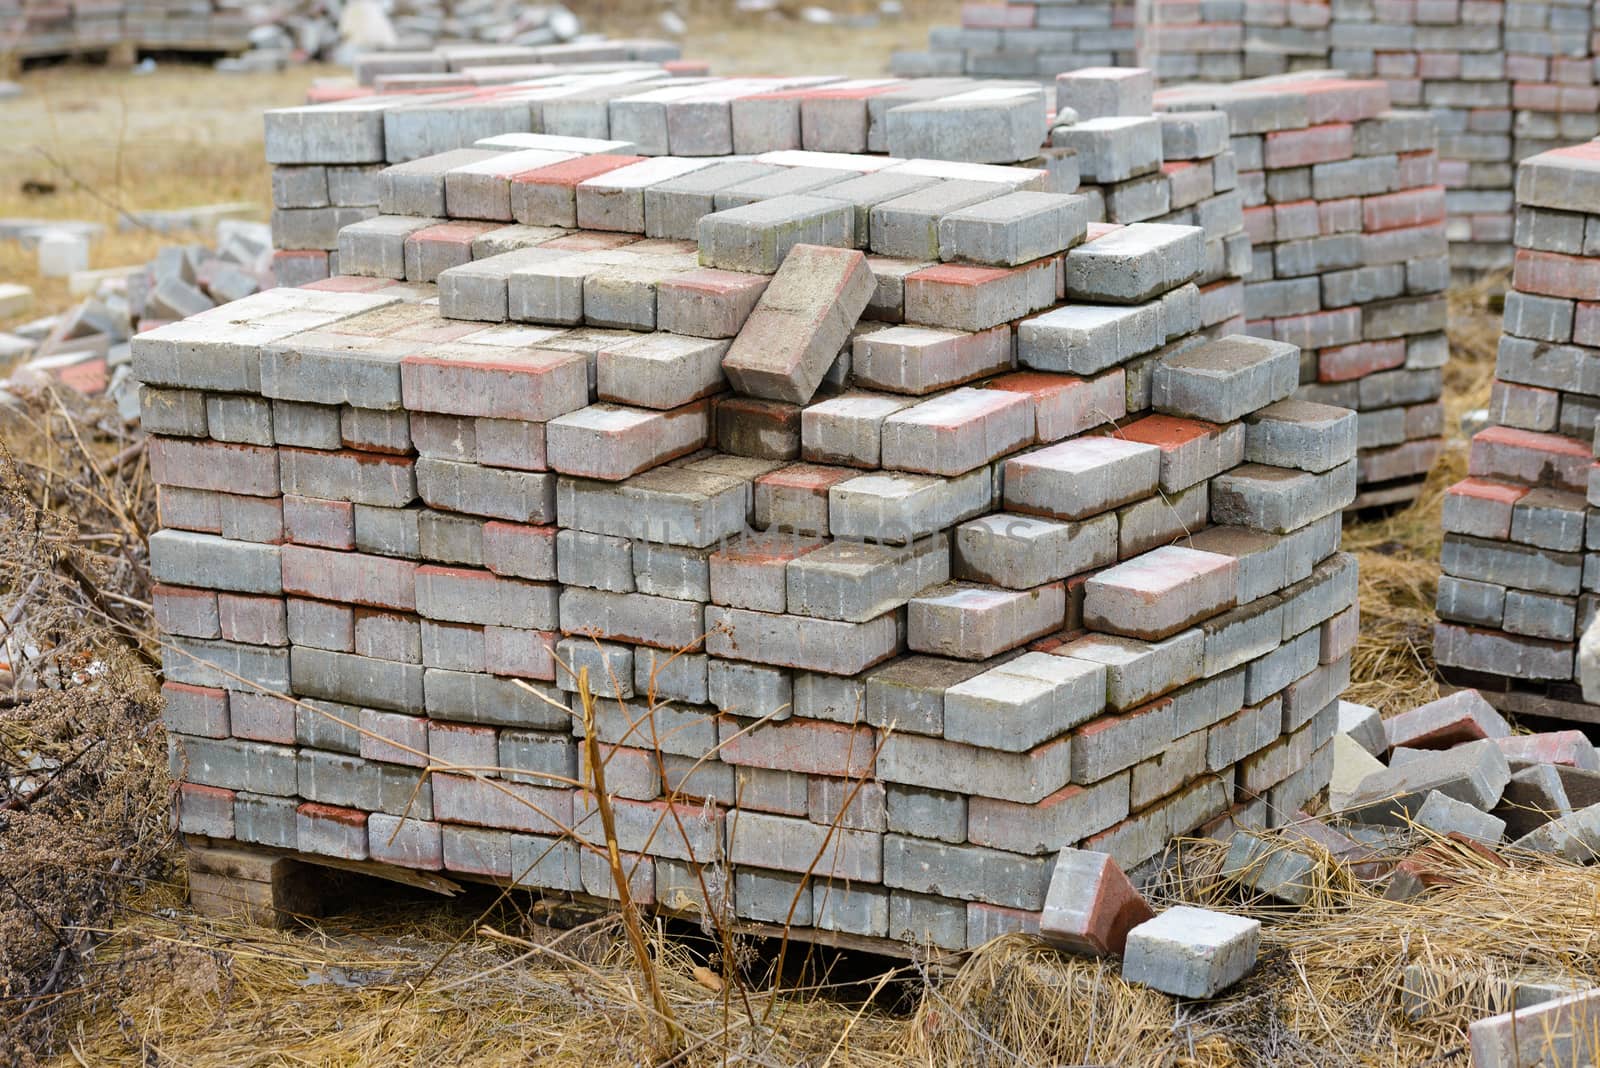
367, 989
82, 792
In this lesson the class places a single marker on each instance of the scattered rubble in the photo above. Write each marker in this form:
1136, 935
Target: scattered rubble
87, 347
254, 37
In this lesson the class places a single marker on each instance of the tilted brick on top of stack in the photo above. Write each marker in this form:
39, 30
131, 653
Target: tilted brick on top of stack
976, 570
1520, 559
1347, 232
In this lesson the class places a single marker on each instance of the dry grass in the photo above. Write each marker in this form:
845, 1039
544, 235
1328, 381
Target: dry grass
83, 791
429, 985
101, 140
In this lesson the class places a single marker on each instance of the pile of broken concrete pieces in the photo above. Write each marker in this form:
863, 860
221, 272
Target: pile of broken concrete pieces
87, 346
1458, 785
1455, 769
1456, 772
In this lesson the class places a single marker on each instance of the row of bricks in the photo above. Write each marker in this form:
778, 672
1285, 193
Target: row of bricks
751, 893
849, 582
1546, 410
871, 814
1276, 575
813, 501
1186, 385
338, 127
677, 194
1526, 660
479, 371
988, 718
623, 288
948, 434
611, 191
700, 503
507, 630
1128, 760
1409, 210
509, 605
1359, 176
1378, 331
1490, 605
481, 59
655, 116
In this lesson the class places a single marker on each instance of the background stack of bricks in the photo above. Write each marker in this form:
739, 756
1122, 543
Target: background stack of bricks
472, 34
1521, 566
1451, 59
1202, 41
1025, 40
1504, 80
1347, 229
188, 24
1286, 35
464, 64
1168, 168
326, 156
910, 533
61, 27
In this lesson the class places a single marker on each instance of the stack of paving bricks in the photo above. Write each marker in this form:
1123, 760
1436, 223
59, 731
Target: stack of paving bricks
1450, 57
1196, 40
326, 157
1504, 80
464, 64
1025, 40
187, 24
1521, 555
1347, 230
1184, 175
59, 28
1173, 168
909, 527
1281, 36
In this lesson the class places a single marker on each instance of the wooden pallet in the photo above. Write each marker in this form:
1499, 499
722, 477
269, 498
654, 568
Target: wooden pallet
1524, 699
1386, 496
277, 887
282, 888
118, 55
